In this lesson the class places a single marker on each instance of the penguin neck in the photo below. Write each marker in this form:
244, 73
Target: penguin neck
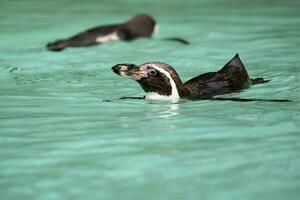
171, 92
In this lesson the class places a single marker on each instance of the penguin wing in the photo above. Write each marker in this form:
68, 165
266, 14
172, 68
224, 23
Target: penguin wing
232, 76
236, 73
205, 85
177, 39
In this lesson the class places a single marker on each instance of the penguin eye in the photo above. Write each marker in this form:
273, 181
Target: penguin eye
152, 72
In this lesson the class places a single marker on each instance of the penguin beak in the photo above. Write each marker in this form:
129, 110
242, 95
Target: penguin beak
131, 71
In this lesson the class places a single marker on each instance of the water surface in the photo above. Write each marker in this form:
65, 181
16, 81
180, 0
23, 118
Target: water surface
60, 140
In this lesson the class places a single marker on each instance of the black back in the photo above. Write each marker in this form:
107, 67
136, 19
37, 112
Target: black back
232, 77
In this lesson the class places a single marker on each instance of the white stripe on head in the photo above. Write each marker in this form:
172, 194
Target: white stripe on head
174, 97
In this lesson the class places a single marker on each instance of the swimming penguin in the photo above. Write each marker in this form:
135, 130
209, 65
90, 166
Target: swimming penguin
161, 82
138, 26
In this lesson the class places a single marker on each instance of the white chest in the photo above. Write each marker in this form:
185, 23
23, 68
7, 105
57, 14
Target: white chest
155, 96
110, 37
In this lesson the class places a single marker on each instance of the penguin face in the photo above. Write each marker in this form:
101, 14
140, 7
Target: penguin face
131, 71
156, 79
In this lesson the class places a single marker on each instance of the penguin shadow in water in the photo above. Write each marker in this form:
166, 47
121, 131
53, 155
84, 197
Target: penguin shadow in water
137, 27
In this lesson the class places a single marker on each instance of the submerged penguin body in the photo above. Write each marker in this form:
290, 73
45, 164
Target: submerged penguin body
138, 26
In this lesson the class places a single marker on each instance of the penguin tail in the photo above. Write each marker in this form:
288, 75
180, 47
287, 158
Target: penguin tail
58, 45
259, 81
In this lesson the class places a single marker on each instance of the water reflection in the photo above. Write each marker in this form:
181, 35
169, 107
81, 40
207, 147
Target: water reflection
164, 111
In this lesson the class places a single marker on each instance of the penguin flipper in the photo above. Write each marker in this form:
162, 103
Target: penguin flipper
177, 39
246, 100
133, 97
259, 81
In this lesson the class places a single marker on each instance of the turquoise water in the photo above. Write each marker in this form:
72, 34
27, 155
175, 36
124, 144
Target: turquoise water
60, 140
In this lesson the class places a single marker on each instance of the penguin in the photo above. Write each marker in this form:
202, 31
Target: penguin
160, 81
137, 27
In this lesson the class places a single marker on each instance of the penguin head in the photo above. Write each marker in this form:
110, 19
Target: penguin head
139, 26
159, 80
